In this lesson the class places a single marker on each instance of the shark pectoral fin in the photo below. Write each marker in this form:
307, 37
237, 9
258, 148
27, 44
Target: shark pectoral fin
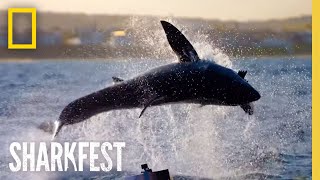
149, 103
116, 79
144, 108
248, 108
179, 43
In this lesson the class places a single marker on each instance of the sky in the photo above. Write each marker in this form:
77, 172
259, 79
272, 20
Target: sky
240, 10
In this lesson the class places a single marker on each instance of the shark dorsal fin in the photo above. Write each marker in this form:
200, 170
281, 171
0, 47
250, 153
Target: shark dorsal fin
242, 74
179, 43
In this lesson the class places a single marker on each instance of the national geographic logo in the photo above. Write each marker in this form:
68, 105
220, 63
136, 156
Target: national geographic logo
33, 44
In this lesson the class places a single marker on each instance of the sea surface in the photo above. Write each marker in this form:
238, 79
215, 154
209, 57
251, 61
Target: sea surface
193, 142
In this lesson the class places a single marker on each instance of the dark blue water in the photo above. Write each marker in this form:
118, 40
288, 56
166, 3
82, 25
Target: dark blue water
211, 142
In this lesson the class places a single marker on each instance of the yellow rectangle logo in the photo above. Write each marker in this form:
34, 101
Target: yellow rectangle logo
33, 44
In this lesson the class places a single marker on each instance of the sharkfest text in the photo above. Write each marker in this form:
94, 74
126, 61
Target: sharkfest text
74, 156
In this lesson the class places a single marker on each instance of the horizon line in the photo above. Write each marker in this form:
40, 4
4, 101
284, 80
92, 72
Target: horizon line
183, 17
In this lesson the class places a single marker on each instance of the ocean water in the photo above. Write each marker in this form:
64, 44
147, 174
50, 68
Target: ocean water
193, 142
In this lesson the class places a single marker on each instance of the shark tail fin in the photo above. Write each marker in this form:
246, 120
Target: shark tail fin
57, 127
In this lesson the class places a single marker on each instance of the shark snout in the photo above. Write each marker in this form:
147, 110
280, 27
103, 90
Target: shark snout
254, 95
247, 94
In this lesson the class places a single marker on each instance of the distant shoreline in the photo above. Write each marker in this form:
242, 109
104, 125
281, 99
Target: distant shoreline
130, 52
30, 60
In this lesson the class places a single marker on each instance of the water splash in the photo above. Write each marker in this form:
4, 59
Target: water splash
210, 141
149, 35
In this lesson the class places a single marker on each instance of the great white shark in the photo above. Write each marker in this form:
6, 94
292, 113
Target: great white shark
191, 80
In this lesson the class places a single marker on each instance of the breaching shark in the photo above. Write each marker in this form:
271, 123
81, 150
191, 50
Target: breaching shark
191, 80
